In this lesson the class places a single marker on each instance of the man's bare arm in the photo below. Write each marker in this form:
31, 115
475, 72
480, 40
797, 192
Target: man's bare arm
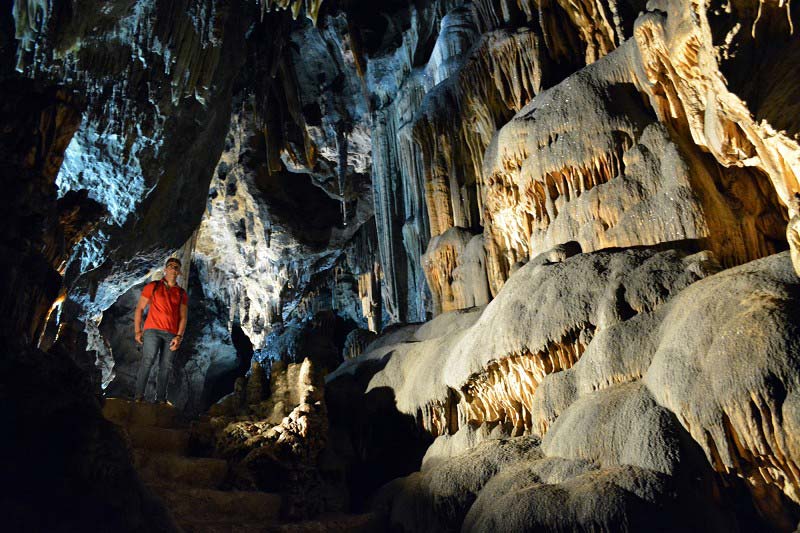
176, 341
184, 318
137, 317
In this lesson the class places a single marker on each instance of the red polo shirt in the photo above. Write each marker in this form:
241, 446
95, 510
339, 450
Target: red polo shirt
165, 306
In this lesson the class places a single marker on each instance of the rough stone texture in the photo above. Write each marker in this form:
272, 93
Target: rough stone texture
591, 165
686, 56
458, 117
192, 487
157, 79
256, 230
585, 161
508, 485
622, 498
732, 380
274, 442
512, 338
643, 367
793, 232
455, 267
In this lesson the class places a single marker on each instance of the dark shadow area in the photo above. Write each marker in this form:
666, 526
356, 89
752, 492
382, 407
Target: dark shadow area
369, 436
118, 332
723, 502
379, 25
65, 467
323, 339
217, 387
293, 200
760, 65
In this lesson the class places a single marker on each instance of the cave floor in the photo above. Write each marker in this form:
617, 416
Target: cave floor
192, 488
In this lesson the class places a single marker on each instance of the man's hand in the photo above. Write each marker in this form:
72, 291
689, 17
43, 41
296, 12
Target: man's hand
138, 330
175, 343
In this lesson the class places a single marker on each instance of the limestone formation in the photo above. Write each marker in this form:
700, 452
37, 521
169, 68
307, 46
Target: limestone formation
369, 294
596, 168
695, 85
275, 444
311, 7
487, 265
614, 351
793, 232
455, 269
153, 76
253, 231
503, 73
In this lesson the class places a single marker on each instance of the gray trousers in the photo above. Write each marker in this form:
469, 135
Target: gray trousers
155, 341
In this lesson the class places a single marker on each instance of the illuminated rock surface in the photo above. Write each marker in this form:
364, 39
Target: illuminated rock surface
641, 370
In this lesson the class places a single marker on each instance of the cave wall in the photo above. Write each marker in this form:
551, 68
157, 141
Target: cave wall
454, 118
66, 466
629, 130
479, 123
157, 78
654, 359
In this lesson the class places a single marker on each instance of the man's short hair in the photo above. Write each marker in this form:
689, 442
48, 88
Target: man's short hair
173, 260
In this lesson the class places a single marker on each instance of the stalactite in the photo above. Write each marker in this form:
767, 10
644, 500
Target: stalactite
311, 7
503, 391
369, 293
341, 170
459, 117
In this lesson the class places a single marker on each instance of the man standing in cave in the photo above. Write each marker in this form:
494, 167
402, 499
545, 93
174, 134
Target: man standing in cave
164, 327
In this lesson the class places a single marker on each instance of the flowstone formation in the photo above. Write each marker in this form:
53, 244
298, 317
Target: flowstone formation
586, 162
651, 370
600, 203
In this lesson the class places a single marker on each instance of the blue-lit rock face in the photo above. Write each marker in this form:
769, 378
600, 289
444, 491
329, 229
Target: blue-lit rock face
269, 245
155, 79
95, 163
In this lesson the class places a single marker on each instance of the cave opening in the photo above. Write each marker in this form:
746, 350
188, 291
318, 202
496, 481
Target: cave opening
219, 384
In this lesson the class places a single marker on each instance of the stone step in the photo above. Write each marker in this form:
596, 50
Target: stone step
117, 410
340, 523
334, 523
174, 441
200, 472
225, 526
195, 505
125, 413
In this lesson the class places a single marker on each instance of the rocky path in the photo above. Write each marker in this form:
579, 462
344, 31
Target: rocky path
192, 487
